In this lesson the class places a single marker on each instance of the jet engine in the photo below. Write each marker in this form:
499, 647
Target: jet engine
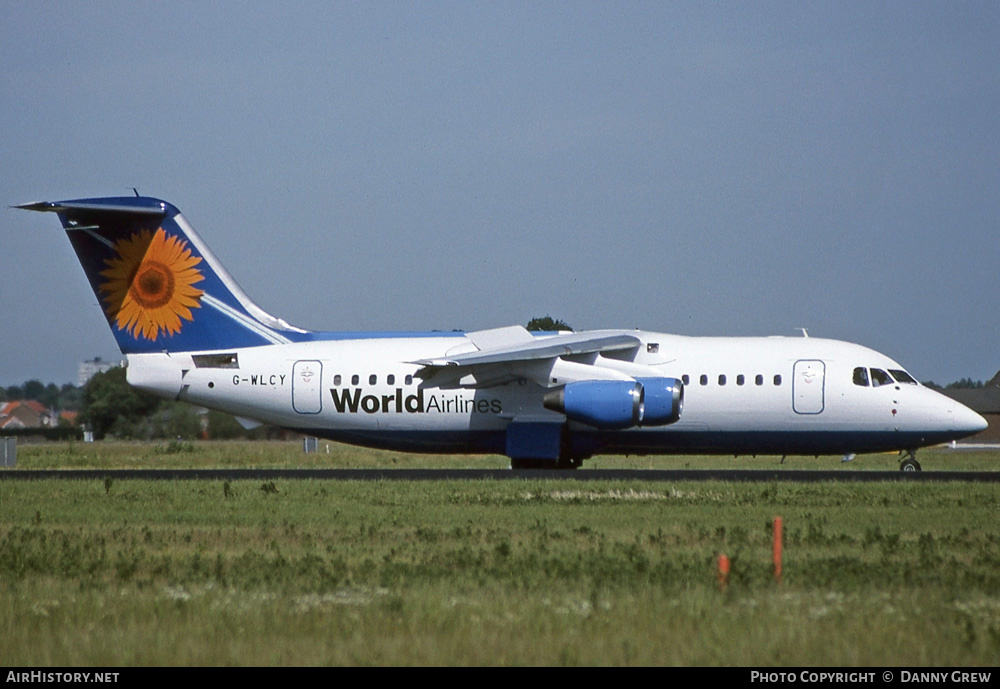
600, 403
662, 401
617, 404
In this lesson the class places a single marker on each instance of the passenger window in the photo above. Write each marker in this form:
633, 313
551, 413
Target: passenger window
409, 380
372, 379
861, 376
777, 379
722, 379
759, 380
336, 379
703, 380
880, 377
902, 377
686, 379
390, 379
740, 379
355, 379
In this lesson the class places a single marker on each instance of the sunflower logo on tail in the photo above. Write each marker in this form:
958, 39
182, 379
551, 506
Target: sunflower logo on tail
149, 285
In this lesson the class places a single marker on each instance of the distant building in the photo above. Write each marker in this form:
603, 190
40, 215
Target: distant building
89, 369
24, 414
33, 414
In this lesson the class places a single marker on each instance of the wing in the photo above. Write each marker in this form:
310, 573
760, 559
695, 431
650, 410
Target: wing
507, 345
576, 377
502, 355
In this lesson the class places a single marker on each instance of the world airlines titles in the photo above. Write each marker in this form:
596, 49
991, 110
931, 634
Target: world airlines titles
353, 400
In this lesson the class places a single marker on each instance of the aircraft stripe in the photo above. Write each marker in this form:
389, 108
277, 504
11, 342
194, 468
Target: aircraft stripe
244, 320
260, 315
103, 240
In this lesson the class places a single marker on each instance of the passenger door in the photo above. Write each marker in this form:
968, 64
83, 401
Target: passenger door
307, 393
808, 383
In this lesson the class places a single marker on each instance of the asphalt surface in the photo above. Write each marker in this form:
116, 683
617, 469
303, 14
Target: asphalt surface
732, 475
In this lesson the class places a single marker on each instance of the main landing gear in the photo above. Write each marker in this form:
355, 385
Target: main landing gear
908, 461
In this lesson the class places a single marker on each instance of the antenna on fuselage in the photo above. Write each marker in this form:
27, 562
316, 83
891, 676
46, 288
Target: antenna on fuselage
805, 333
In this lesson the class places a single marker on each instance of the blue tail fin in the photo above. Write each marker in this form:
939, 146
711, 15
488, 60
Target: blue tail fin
160, 287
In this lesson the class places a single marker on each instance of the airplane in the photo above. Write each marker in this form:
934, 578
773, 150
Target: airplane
545, 400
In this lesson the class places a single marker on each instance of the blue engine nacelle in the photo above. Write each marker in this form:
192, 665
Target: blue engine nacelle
617, 404
662, 401
600, 403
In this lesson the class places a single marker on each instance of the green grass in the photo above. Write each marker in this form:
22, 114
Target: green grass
289, 454
532, 572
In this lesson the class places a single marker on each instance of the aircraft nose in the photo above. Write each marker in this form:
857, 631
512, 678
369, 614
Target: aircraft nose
967, 421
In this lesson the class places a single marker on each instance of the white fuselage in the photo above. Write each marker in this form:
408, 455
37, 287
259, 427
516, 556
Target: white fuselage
741, 395
190, 333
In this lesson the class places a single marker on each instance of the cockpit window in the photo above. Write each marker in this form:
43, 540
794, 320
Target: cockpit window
880, 377
861, 376
902, 376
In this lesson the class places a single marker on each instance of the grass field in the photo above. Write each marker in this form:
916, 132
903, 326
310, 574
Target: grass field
490, 572
289, 454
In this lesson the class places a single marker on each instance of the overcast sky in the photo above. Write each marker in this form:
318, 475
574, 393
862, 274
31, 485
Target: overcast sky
696, 168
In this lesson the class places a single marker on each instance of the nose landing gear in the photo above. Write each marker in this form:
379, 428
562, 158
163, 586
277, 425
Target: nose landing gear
908, 461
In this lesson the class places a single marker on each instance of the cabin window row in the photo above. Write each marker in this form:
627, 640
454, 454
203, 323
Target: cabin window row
741, 379
876, 377
373, 379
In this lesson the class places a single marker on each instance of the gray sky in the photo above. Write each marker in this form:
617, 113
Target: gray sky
696, 168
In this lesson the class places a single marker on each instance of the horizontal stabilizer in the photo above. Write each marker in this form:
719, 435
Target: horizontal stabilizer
156, 209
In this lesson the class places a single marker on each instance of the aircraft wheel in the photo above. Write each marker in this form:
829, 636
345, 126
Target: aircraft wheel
569, 463
909, 464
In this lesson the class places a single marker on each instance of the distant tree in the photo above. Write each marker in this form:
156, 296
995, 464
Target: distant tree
50, 396
175, 420
70, 397
547, 324
110, 406
965, 384
222, 426
33, 389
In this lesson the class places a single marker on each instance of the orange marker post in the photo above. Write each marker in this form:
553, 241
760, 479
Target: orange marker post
777, 549
723, 571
